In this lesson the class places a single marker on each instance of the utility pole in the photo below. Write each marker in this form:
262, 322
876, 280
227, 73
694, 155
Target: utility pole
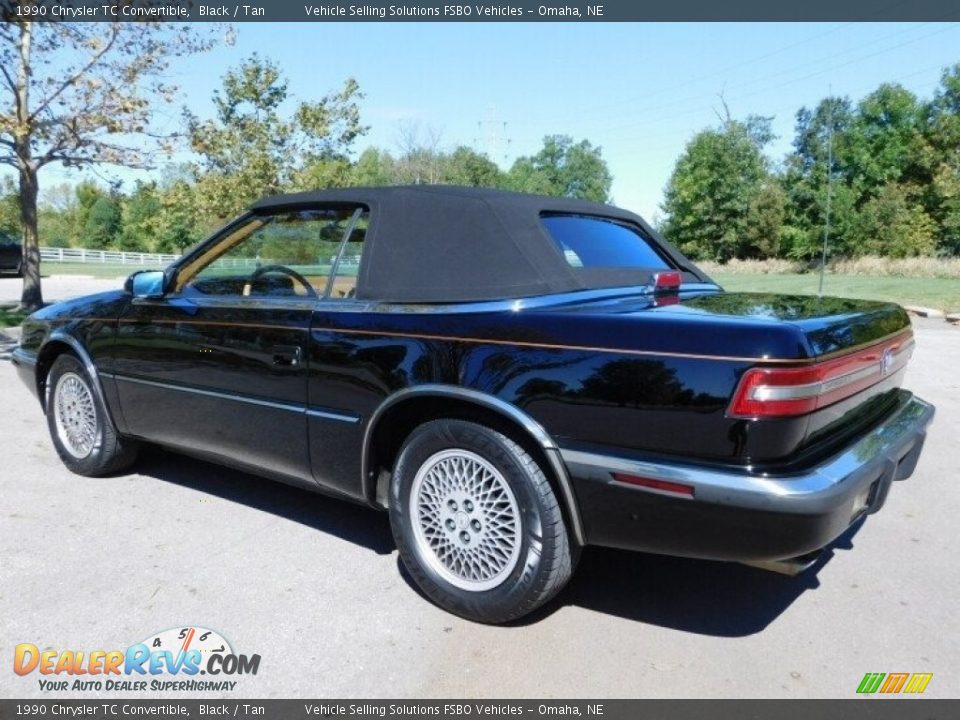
494, 134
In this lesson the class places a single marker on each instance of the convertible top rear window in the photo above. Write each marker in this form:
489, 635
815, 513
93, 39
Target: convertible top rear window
593, 242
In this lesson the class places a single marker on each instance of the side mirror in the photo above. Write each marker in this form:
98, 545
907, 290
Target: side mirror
146, 284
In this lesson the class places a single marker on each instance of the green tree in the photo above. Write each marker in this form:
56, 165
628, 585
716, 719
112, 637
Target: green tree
565, 169
943, 132
893, 223
87, 194
324, 173
9, 208
102, 227
374, 168
466, 167
716, 185
56, 227
885, 142
883, 167
252, 148
181, 223
421, 163
763, 235
92, 105
822, 134
56, 219
141, 218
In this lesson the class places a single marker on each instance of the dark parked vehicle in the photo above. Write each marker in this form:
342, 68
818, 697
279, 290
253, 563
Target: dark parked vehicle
11, 254
511, 377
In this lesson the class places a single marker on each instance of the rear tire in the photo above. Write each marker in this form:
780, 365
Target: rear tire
477, 523
79, 426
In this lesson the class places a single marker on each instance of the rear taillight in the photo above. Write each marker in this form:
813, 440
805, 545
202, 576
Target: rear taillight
785, 392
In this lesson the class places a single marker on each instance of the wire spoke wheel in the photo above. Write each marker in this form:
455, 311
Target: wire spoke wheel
75, 415
466, 520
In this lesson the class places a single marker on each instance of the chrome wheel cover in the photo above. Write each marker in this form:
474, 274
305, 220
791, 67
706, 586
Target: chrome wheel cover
465, 519
75, 415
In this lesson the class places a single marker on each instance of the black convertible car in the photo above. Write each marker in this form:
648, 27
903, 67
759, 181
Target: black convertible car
511, 377
11, 254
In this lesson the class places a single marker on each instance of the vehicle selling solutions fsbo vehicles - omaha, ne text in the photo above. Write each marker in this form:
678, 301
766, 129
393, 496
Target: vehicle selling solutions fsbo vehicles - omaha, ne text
512, 377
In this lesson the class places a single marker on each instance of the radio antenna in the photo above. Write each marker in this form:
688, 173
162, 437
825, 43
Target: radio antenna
826, 226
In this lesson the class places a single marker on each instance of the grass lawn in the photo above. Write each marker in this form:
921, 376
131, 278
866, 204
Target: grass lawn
97, 270
940, 293
9, 317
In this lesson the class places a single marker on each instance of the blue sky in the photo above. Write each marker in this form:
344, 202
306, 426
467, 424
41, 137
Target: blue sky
640, 91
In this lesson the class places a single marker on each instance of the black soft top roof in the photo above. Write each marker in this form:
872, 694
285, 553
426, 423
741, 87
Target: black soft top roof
439, 243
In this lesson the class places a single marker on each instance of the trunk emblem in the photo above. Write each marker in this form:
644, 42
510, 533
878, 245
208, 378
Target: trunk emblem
886, 362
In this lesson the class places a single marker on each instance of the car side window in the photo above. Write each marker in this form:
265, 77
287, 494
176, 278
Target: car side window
289, 254
590, 241
344, 285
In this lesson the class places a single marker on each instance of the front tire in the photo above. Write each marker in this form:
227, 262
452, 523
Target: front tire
79, 426
477, 523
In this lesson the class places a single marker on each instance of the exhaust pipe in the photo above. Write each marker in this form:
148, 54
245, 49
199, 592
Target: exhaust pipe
791, 566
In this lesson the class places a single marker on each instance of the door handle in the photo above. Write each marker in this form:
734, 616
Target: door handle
286, 355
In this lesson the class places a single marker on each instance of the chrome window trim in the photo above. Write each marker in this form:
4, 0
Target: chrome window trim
351, 226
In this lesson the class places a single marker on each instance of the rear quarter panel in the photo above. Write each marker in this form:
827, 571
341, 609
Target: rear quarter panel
586, 380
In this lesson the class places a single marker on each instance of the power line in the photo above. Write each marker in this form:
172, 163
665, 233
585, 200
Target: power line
697, 79
749, 62
785, 108
660, 117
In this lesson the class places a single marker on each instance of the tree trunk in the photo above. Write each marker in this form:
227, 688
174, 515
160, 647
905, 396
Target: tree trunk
32, 297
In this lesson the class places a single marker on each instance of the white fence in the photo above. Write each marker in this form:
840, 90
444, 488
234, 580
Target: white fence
113, 257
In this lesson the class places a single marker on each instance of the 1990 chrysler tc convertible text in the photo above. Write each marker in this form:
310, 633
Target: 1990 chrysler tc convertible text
512, 377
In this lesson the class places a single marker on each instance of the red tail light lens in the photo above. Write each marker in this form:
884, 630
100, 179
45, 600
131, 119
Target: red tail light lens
786, 392
664, 486
667, 280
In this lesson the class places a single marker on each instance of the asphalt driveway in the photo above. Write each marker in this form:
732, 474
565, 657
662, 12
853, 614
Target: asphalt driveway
313, 584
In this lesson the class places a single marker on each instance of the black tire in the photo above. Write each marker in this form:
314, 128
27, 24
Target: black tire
543, 563
108, 452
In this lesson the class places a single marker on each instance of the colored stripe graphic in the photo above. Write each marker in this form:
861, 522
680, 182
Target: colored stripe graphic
893, 683
918, 682
870, 682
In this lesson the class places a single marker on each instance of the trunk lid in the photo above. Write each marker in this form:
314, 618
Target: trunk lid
860, 350
830, 325
850, 355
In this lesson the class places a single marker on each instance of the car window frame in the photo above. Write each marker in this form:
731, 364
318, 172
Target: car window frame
351, 227
652, 243
197, 256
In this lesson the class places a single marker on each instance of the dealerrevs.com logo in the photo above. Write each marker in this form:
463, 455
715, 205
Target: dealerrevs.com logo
169, 661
